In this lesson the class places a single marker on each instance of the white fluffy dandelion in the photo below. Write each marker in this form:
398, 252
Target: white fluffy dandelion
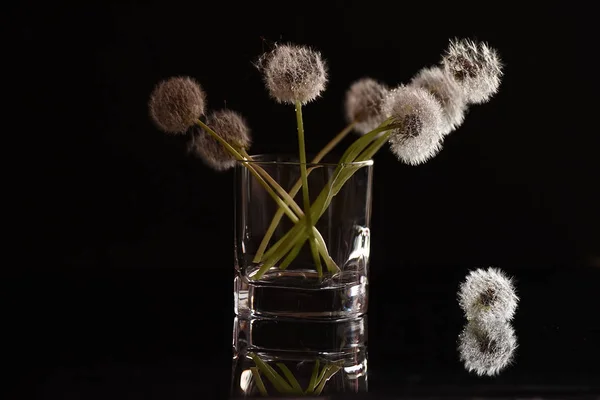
176, 103
232, 127
420, 115
363, 104
487, 349
447, 91
488, 295
293, 73
476, 67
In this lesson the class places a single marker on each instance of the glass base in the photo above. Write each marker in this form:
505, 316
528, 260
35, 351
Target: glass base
302, 294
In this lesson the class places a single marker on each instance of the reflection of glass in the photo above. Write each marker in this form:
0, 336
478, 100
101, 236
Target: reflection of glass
291, 357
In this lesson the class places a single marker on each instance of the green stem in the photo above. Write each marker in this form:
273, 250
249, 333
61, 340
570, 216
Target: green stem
282, 249
291, 256
297, 232
239, 157
280, 191
313, 379
333, 142
331, 265
276, 380
287, 242
275, 246
331, 371
318, 247
355, 153
259, 382
290, 377
322, 374
374, 147
319, 243
349, 156
277, 218
305, 191
257, 171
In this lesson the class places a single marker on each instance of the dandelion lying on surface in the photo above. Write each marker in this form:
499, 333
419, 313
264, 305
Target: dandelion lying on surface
232, 127
363, 104
293, 73
487, 349
419, 114
176, 103
476, 67
488, 295
445, 89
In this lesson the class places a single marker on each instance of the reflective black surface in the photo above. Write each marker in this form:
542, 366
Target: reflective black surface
109, 195
163, 333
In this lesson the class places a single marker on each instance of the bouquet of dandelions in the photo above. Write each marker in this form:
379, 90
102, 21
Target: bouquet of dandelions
413, 118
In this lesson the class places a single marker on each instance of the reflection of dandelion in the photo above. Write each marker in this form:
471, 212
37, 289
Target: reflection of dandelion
487, 349
488, 295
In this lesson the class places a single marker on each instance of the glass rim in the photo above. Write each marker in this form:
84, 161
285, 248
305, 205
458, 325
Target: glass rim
365, 163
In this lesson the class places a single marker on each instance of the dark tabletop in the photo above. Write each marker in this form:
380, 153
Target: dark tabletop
167, 333
138, 316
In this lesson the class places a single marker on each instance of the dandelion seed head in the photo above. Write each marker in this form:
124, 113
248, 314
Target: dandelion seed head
232, 127
447, 91
476, 67
363, 104
293, 73
488, 295
487, 349
419, 114
176, 103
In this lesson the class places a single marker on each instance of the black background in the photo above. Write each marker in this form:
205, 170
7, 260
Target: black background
125, 241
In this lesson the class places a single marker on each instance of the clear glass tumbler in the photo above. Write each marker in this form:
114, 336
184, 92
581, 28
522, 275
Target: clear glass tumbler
299, 289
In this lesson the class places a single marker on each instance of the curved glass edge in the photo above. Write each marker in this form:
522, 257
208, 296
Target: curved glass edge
268, 159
